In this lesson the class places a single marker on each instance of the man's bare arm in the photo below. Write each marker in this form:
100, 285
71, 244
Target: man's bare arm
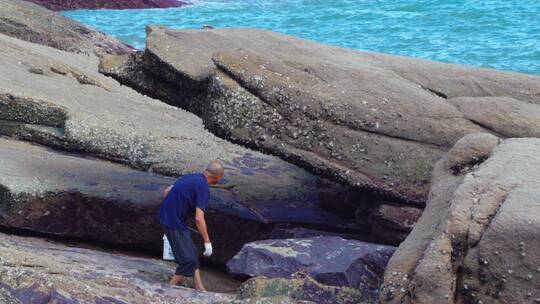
200, 222
167, 190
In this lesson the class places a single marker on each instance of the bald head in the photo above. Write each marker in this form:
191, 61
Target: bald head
215, 169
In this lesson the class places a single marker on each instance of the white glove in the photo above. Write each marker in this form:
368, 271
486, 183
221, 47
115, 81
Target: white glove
207, 249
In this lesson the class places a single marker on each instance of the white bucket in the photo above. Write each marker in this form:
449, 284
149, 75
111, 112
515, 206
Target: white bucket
167, 251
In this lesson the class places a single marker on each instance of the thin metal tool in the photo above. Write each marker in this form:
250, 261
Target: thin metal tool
197, 232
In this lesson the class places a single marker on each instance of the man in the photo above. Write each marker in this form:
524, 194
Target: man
188, 195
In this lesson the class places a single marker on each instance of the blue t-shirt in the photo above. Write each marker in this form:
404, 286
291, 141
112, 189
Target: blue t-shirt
189, 192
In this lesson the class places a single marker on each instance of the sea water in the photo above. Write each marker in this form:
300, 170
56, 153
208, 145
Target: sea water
502, 34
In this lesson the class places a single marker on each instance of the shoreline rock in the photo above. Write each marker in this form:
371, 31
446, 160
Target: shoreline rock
30, 22
477, 238
59, 99
56, 5
332, 261
46, 191
371, 121
299, 289
39, 271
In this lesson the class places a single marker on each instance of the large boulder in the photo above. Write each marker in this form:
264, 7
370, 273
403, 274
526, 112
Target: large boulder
51, 192
57, 5
369, 120
59, 99
38, 271
299, 289
329, 260
30, 22
477, 239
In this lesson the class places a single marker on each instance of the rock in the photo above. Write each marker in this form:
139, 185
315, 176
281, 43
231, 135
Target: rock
329, 260
505, 116
46, 191
28, 21
393, 223
288, 232
38, 271
476, 241
70, 106
104, 4
299, 289
368, 120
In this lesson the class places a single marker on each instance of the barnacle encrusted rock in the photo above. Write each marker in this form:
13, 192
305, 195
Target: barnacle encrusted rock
476, 241
70, 106
42, 271
30, 22
369, 120
329, 260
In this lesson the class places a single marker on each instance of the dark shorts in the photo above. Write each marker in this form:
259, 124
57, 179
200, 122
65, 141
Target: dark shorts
185, 252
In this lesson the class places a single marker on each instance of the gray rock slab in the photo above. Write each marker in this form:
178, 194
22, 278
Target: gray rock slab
475, 240
31, 22
299, 289
51, 192
39, 271
369, 120
329, 260
59, 99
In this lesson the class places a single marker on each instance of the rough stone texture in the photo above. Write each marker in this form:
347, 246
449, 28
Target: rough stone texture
366, 119
329, 260
46, 191
37, 271
299, 289
58, 5
30, 22
447, 176
506, 116
393, 223
476, 241
59, 99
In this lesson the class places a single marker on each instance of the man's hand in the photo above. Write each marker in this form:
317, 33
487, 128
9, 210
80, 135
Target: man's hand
207, 249
201, 226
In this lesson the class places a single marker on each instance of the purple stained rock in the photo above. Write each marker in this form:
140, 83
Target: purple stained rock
329, 260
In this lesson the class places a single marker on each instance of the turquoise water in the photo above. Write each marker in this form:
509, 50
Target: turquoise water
503, 34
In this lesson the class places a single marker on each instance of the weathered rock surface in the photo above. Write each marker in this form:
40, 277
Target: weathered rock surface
299, 289
391, 223
366, 119
60, 100
30, 22
329, 260
477, 239
58, 5
46, 191
37, 271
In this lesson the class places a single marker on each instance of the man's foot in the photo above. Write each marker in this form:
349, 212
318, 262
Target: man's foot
201, 289
197, 282
176, 280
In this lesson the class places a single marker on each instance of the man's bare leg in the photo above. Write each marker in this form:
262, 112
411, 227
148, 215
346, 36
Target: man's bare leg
176, 280
197, 281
